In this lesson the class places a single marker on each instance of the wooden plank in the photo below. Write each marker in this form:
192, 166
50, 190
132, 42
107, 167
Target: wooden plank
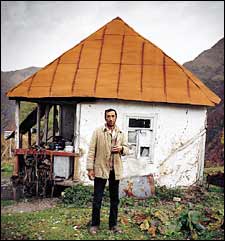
55, 121
60, 120
21, 151
17, 120
16, 166
38, 125
29, 138
76, 176
77, 128
47, 109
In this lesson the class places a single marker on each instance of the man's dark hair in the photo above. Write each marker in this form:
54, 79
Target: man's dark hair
108, 110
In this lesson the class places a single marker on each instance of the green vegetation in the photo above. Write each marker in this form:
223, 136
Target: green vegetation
7, 202
198, 215
6, 169
213, 170
78, 196
25, 109
222, 138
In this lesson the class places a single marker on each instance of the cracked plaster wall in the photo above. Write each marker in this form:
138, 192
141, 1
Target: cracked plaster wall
179, 139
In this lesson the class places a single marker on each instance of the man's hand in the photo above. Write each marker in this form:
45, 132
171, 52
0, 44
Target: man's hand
117, 149
91, 174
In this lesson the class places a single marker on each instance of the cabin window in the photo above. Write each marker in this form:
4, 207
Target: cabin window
132, 137
145, 151
140, 137
139, 123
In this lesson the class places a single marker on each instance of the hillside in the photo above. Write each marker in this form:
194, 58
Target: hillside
209, 67
9, 79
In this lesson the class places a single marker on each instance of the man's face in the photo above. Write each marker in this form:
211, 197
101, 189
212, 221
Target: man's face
110, 118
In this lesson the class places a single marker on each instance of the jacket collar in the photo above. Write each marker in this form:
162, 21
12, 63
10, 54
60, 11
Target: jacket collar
104, 128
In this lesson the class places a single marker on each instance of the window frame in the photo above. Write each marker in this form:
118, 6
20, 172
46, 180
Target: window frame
152, 128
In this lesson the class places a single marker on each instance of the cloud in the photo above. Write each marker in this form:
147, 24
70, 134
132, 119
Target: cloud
36, 32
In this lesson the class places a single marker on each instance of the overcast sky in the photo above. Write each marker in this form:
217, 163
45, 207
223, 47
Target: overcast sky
35, 33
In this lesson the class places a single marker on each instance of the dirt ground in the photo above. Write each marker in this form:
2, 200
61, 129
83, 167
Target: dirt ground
30, 205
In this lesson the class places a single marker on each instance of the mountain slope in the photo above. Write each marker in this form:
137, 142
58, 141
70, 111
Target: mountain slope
209, 68
8, 80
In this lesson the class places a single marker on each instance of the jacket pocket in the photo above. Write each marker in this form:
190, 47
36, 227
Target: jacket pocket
98, 171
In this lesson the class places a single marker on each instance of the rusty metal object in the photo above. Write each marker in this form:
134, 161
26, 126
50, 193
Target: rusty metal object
138, 187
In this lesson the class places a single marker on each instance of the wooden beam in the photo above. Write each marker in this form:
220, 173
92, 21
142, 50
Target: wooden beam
29, 138
21, 140
77, 128
55, 121
60, 120
17, 120
38, 124
16, 166
45, 136
76, 170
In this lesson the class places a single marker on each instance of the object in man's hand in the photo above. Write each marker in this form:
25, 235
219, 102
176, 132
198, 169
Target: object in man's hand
115, 149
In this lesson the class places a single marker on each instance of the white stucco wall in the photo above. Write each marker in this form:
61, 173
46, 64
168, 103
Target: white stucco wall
178, 136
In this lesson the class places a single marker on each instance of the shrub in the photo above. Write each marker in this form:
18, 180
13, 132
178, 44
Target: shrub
78, 195
6, 167
168, 193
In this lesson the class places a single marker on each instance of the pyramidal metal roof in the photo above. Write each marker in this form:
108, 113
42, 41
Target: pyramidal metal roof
116, 62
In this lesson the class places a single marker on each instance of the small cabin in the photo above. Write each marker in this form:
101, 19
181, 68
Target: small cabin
161, 106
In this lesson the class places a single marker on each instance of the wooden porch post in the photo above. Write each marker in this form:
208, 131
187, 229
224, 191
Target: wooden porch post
17, 137
29, 138
17, 120
47, 109
76, 144
77, 128
55, 120
38, 125
60, 120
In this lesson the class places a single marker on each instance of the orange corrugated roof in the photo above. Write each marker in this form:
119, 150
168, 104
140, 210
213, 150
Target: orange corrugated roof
116, 62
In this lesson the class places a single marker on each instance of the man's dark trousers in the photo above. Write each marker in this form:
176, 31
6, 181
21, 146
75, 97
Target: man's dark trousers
99, 186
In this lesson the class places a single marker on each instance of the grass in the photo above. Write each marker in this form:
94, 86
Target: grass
199, 215
213, 170
5, 203
6, 169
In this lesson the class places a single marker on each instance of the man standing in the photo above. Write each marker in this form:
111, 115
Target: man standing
104, 163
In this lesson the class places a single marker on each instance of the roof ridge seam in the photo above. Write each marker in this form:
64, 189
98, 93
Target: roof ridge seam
20, 83
76, 71
99, 59
164, 76
120, 64
188, 76
196, 84
31, 82
53, 76
142, 66
188, 88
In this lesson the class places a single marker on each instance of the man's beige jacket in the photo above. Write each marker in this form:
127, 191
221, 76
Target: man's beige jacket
99, 153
